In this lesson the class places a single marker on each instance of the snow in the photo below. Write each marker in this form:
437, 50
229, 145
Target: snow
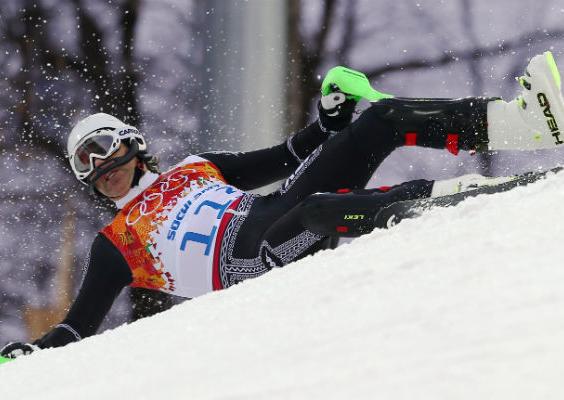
462, 303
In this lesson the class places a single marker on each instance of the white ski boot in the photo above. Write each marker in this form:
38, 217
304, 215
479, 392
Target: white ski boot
534, 119
466, 183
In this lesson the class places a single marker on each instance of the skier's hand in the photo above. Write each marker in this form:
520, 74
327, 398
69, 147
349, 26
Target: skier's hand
16, 349
335, 111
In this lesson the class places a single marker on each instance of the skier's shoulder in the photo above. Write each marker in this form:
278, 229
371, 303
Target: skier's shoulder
188, 160
197, 166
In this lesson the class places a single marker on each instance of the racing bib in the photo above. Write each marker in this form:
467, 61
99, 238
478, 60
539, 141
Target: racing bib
168, 234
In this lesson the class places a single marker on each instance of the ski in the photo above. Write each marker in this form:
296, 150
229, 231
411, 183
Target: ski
396, 212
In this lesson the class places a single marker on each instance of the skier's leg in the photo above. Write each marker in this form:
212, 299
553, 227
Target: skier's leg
273, 236
350, 158
300, 232
353, 215
529, 122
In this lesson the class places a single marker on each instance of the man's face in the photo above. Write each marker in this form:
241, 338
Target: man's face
116, 183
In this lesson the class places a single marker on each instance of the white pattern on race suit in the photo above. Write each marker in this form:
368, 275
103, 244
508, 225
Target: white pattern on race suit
152, 201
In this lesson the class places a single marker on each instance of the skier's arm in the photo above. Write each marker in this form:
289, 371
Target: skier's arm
252, 169
106, 276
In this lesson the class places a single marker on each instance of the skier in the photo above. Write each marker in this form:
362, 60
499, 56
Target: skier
193, 229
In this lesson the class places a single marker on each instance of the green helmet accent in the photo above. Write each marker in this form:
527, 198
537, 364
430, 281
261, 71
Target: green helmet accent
353, 83
4, 360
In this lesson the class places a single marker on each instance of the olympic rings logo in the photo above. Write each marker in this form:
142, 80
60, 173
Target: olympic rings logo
147, 206
152, 201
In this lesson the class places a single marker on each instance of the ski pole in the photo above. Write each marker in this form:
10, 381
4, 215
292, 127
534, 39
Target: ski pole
4, 360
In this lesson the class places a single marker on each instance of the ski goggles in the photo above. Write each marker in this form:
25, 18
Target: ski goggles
101, 146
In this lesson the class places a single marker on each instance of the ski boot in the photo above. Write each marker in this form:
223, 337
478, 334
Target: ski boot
466, 183
352, 213
535, 118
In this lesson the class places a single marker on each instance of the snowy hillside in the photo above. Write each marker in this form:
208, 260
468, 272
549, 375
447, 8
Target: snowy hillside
463, 303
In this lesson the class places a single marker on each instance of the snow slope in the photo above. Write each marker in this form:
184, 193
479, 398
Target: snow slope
462, 303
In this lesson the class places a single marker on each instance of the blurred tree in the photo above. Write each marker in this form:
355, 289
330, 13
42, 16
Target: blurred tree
87, 72
115, 78
308, 52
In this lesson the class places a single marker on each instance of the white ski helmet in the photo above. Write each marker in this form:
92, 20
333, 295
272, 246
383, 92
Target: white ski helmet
99, 136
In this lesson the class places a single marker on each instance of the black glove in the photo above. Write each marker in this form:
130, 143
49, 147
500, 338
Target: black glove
335, 111
16, 349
